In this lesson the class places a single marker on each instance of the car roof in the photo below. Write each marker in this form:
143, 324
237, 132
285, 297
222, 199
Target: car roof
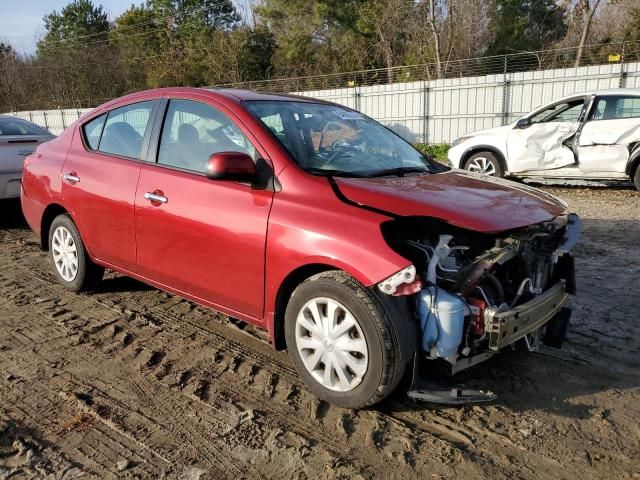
230, 94
610, 91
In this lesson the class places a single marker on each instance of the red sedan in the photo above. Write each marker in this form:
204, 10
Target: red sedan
357, 253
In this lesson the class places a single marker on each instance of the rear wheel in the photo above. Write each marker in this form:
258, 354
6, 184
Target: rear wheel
341, 341
636, 178
72, 266
486, 163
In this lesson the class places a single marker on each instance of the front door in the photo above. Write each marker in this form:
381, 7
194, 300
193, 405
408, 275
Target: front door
204, 238
100, 177
546, 143
613, 127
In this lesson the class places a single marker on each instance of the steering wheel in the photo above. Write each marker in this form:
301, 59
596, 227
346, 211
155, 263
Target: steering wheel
325, 129
342, 151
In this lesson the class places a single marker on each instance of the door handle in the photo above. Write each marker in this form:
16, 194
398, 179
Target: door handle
154, 197
71, 177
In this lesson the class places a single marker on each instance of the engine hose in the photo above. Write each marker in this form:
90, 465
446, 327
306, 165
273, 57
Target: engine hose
497, 285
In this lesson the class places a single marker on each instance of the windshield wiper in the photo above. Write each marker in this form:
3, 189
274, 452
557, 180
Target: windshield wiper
399, 171
333, 173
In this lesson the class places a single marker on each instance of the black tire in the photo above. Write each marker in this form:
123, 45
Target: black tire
385, 367
491, 162
88, 273
636, 178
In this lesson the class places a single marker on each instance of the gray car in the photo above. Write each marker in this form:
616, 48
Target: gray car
18, 138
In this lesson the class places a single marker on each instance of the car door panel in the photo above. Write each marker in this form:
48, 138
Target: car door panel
99, 190
541, 146
208, 239
604, 144
547, 142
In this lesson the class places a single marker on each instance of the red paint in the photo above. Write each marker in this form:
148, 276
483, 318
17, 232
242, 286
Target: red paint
230, 164
483, 204
230, 246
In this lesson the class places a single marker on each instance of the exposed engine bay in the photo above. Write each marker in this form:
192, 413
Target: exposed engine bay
477, 293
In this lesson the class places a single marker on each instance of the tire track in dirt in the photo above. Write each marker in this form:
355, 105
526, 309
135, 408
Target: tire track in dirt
289, 395
367, 427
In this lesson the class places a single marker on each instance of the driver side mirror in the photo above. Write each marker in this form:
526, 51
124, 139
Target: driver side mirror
523, 123
236, 166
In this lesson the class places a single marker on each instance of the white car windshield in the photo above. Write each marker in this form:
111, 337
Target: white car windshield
327, 139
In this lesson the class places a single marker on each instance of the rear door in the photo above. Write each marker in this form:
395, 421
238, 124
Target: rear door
546, 143
200, 237
100, 177
613, 128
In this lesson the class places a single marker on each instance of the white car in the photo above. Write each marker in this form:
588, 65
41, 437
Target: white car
18, 139
589, 136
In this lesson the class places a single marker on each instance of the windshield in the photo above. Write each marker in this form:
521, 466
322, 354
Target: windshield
331, 140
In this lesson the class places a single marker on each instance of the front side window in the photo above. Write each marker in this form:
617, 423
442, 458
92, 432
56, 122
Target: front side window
332, 140
15, 126
93, 131
193, 131
560, 112
124, 129
614, 107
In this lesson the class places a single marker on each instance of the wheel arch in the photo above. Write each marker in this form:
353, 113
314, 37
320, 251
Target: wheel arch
285, 290
634, 160
398, 309
49, 214
484, 148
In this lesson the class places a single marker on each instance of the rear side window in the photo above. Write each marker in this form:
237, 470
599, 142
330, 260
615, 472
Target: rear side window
93, 131
124, 129
15, 126
614, 107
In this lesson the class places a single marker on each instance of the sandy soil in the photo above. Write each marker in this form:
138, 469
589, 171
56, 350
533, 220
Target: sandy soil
131, 382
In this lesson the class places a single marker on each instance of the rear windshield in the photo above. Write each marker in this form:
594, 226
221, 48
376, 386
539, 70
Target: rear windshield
15, 126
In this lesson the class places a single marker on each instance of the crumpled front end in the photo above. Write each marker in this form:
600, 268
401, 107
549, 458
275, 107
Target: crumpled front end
476, 293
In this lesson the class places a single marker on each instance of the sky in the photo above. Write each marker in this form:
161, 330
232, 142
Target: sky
21, 20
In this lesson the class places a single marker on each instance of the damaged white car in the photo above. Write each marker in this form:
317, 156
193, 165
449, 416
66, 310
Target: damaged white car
588, 136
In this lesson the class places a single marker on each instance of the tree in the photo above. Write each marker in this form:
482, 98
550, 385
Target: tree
80, 19
76, 53
587, 8
524, 26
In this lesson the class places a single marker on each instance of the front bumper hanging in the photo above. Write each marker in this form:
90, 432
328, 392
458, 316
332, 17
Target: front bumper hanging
506, 327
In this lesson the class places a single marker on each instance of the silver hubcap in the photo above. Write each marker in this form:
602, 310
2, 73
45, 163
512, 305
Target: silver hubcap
65, 254
331, 344
481, 165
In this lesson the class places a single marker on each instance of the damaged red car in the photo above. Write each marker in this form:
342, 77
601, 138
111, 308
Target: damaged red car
357, 253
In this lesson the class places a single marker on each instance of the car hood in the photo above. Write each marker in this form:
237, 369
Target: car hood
492, 131
472, 201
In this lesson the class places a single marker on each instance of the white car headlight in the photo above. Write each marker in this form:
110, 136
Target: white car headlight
458, 141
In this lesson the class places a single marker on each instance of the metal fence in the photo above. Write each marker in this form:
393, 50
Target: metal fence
439, 111
431, 103
53, 120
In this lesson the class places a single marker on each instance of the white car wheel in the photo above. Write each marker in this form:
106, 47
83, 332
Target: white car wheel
331, 344
485, 163
65, 254
481, 165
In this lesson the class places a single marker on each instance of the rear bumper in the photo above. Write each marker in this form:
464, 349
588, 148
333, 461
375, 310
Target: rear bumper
10, 184
32, 211
506, 327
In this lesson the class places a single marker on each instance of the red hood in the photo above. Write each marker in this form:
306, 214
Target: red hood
474, 202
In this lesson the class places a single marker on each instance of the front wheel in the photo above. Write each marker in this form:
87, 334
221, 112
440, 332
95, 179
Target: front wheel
72, 266
341, 341
486, 163
636, 178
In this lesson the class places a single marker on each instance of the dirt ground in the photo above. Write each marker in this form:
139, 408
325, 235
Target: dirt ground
131, 382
